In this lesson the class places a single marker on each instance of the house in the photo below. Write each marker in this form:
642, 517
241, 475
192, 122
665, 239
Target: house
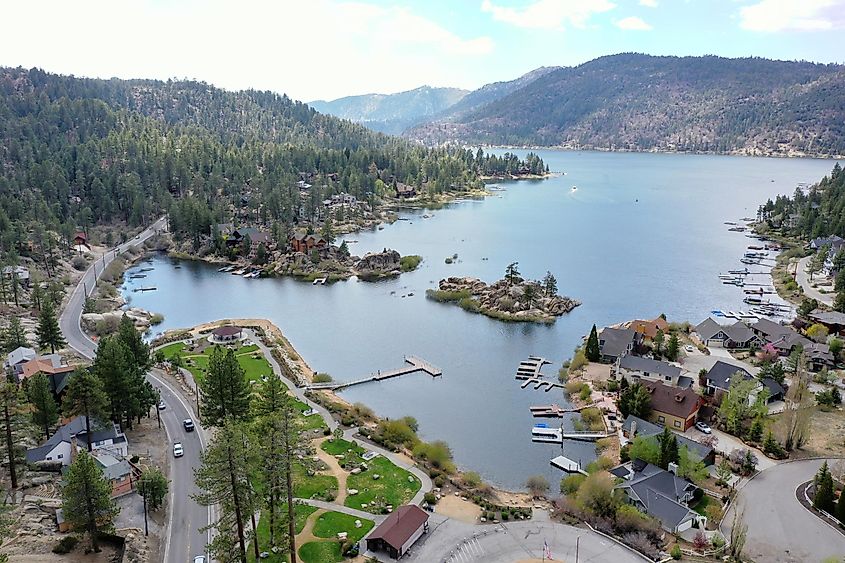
649, 329
617, 342
833, 241
105, 437
18, 273
833, 320
671, 406
117, 471
300, 241
710, 333
256, 238
404, 190
17, 357
303, 186
398, 532
226, 334
80, 242
769, 330
635, 426
734, 336
720, 376
223, 229
819, 356
53, 366
635, 368
661, 494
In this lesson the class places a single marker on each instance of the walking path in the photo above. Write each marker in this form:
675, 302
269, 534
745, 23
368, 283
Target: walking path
803, 280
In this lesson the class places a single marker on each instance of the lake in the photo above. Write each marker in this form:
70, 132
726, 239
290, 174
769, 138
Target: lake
642, 234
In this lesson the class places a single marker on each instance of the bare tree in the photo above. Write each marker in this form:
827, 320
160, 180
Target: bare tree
739, 533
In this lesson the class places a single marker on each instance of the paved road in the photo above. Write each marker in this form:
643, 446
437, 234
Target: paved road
779, 528
456, 542
184, 540
803, 280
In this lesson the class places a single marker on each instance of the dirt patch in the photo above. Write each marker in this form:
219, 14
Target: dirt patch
39, 550
334, 469
459, 509
594, 373
826, 435
509, 498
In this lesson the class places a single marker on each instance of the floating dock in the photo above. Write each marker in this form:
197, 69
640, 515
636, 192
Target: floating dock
530, 368
417, 364
558, 435
567, 465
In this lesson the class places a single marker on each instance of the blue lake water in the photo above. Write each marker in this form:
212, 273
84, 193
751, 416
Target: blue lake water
643, 234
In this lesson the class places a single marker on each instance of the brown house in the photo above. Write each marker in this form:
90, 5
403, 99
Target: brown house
405, 190
649, 328
671, 406
399, 531
302, 242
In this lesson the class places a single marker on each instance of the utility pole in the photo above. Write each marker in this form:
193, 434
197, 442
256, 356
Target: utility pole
144, 496
158, 410
577, 540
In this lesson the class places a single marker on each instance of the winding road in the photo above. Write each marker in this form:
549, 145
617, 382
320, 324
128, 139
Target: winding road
185, 517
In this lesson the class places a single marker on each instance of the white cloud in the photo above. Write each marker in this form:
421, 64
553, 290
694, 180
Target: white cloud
310, 50
633, 23
793, 15
648, 3
549, 14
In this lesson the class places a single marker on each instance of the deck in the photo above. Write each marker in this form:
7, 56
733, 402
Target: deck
555, 411
416, 364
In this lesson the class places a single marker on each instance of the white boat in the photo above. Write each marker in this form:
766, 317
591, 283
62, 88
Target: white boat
319, 281
239, 272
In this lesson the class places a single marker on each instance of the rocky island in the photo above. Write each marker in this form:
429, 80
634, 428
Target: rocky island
335, 263
509, 299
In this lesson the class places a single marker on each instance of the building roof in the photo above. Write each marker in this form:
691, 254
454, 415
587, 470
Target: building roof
19, 355
708, 328
649, 328
76, 428
20, 272
770, 329
671, 400
254, 234
49, 364
773, 386
615, 341
821, 241
739, 333
638, 363
722, 373
828, 317
226, 331
659, 491
404, 188
402, 523
648, 429
819, 352
80, 235
113, 468
788, 340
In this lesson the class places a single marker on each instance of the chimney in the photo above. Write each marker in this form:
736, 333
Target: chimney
679, 398
633, 429
673, 467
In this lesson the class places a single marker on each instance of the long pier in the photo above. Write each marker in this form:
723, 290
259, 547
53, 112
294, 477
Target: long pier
558, 435
416, 364
555, 411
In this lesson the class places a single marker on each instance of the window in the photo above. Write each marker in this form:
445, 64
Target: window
60, 456
661, 419
677, 424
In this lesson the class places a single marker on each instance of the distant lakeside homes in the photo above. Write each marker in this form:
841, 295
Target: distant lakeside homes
23, 363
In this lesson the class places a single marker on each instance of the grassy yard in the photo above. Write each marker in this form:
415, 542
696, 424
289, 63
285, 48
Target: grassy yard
320, 552
313, 486
302, 512
330, 523
251, 360
391, 488
311, 422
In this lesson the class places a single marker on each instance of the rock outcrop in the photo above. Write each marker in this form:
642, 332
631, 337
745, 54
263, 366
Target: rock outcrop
381, 263
141, 318
334, 265
517, 300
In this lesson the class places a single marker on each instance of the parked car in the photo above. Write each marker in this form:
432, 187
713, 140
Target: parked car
177, 449
199, 559
188, 424
689, 348
161, 406
703, 427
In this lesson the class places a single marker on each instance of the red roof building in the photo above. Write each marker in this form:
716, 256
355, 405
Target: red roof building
399, 531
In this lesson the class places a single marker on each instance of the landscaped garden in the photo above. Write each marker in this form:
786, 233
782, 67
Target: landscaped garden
328, 525
379, 482
301, 512
250, 358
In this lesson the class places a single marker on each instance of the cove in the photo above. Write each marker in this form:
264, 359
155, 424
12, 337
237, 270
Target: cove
642, 234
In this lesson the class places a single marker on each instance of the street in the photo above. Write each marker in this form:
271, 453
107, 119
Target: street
186, 517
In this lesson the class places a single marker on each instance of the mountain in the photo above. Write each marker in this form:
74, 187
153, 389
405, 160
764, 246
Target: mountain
641, 102
392, 113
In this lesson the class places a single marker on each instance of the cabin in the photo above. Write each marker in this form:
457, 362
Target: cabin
721, 374
256, 238
117, 471
736, 336
80, 242
305, 243
105, 437
399, 531
834, 321
54, 367
226, 334
615, 343
649, 329
17, 357
671, 406
636, 368
404, 190
17, 273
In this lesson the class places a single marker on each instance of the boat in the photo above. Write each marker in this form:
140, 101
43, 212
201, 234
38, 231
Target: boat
744, 271
319, 281
225, 268
574, 188
718, 312
239, 272
730, 223
756, 247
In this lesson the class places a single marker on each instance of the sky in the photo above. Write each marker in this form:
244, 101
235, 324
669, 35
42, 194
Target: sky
325, 49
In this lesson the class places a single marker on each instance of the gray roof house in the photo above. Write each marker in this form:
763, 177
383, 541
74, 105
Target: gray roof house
736, 335
635, 367
722, 373
660, 493
19, 356
710, 333
635, 426
616, 342
104, 436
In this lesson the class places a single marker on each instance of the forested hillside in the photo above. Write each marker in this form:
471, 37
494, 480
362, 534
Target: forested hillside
640, 102
815, 211
392, 113
79, 152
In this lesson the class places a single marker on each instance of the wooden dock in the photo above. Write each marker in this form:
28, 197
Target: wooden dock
558, 435
530, 368
555, 411
416, 364
568, 465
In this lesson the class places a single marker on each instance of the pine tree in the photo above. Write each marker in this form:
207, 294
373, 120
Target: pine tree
224, 391
85, 397
138, 349
512, 273
673, 348
840, 507
824, 499
10, 400
86, 498
14, 337
224, 480
593, 351
48, 331
550, 285
45, 412
112, 366
153, 487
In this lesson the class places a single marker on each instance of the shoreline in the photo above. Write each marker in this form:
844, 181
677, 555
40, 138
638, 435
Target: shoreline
268, 328
658, 151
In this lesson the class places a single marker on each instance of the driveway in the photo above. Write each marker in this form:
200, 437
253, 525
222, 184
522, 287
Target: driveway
696, 361
803, 280
779, 528
728, 443
450, 541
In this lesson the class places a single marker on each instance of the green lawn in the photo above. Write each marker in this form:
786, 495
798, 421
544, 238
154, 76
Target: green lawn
330, 523
251, 360
311, 487
391, 488
312, 422
302, 512
320, 552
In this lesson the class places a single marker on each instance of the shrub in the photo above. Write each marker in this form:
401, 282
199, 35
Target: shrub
585, 393
612, 385
700, 542
445, 296
676, 552
430, 498
410, 262
505, 515
66, 544
322, 378
717, 541
573, 387
592, 417
156, 319
471, 479
579, 360
439, 481
79, 263
569, 484
603, 443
